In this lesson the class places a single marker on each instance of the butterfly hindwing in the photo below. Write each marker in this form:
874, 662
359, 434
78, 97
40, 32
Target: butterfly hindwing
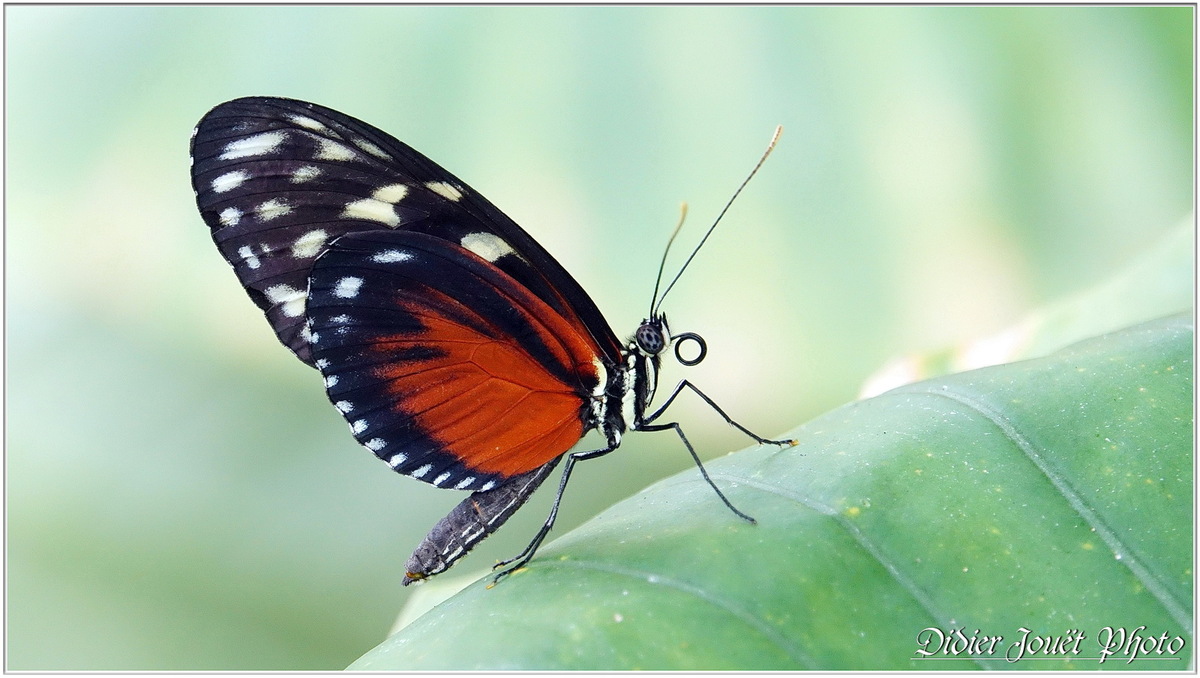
444, 365
278, 180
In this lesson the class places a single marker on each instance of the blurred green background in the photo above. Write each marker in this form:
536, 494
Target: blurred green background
180, 495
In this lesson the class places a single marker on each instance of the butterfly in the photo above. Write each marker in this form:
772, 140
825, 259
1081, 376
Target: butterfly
459, 351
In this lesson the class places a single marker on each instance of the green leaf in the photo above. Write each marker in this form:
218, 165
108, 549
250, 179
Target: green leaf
1053, 495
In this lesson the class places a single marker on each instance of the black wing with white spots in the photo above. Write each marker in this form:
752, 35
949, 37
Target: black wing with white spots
278, 180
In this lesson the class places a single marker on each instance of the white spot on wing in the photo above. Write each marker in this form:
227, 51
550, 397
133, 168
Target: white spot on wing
332, 150
272, 209
375, 444
321, 362
344, 406
309, 244
397, 459
464, 483
229, 181
290, 298
487, 486
255, 145
247, 256
358, 426
230, 216
392, 193
441, 479
446, 190
420, 473
308, 123
372, 210
487, 245
331, 381
391, 257
306, 173
371, 148
347, 288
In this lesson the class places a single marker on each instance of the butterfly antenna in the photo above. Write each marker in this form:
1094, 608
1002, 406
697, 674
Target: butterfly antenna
770, 147
663, 264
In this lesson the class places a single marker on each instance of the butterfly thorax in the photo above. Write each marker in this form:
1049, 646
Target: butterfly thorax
630, 385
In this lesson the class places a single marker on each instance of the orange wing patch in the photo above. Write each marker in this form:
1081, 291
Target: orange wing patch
486, 399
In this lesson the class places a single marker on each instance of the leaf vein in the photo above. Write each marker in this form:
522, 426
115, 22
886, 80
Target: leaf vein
1124, 553
790, 648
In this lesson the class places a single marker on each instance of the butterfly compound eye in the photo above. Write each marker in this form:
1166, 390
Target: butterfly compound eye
679, 339
650, 338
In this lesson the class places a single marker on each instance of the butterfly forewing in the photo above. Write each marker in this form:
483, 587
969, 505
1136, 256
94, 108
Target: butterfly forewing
443, 365
278, 180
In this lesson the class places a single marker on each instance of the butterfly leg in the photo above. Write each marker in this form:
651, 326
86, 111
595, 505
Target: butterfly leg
699, 465
519, 561
679, 389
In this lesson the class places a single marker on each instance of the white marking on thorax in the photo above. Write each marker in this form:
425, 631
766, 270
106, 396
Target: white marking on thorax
255, 145
309, 244
347, 288
229, 181
272, 209
290, 299
445, 189
629, 396
487, 245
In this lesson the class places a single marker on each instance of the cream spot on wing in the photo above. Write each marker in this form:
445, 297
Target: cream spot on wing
308, 123
347, 288
487, 245
372, 210
309, 244
446, 190
306, 173
371, 148
289, 298
391, 257
392, 193
247, 256
230, 216
272, 209
254, 145
229, 181
332, 150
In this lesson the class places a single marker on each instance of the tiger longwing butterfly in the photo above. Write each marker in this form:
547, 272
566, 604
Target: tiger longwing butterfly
457, 349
